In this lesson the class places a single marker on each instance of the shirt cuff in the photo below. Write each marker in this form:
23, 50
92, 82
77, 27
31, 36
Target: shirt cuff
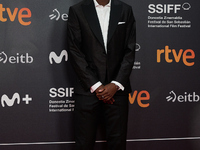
121, 87
95, 86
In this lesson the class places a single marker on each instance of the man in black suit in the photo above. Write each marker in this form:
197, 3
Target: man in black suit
101, 42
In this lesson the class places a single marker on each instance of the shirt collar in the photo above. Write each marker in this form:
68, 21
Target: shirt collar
97, 4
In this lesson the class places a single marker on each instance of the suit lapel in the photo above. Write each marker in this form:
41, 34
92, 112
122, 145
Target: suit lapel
92, 19
115, 14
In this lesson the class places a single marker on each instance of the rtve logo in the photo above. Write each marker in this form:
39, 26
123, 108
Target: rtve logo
186, 97
167, 8
188, 54
16, 59
16, 97
141, 96
56, 58
22, 14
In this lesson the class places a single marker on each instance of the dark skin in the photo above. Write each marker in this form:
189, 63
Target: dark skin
106, 93
103, 2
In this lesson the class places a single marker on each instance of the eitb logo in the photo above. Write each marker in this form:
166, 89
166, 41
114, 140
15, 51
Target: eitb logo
16, 59
56, 15
183, 98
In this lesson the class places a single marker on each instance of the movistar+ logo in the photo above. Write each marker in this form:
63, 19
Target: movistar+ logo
57, 59
6, 101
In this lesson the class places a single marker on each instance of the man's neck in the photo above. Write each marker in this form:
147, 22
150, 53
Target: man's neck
103, 2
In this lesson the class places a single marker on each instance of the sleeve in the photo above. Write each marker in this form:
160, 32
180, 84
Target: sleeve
129, 57
86, 76
121, 87
95, 86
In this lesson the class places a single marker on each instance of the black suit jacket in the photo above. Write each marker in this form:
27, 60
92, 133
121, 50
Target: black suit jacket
87, 51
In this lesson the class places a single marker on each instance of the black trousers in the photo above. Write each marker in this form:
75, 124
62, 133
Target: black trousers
88, 112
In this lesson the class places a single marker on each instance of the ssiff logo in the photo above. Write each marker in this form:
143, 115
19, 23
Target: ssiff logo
57, 59
138, 47
16, 97
61, 92
168, 8
23, 13
186, 97
137, 64
56, 15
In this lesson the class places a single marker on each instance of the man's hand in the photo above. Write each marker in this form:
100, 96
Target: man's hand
107, 93
111, 101
100, 89
108, 98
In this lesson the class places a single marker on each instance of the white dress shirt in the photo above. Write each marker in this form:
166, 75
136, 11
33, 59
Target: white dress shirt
103, 13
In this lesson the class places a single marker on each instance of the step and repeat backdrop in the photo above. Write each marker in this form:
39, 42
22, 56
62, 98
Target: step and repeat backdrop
36, 78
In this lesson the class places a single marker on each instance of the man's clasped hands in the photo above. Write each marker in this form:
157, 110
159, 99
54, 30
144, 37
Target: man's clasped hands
106, 93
